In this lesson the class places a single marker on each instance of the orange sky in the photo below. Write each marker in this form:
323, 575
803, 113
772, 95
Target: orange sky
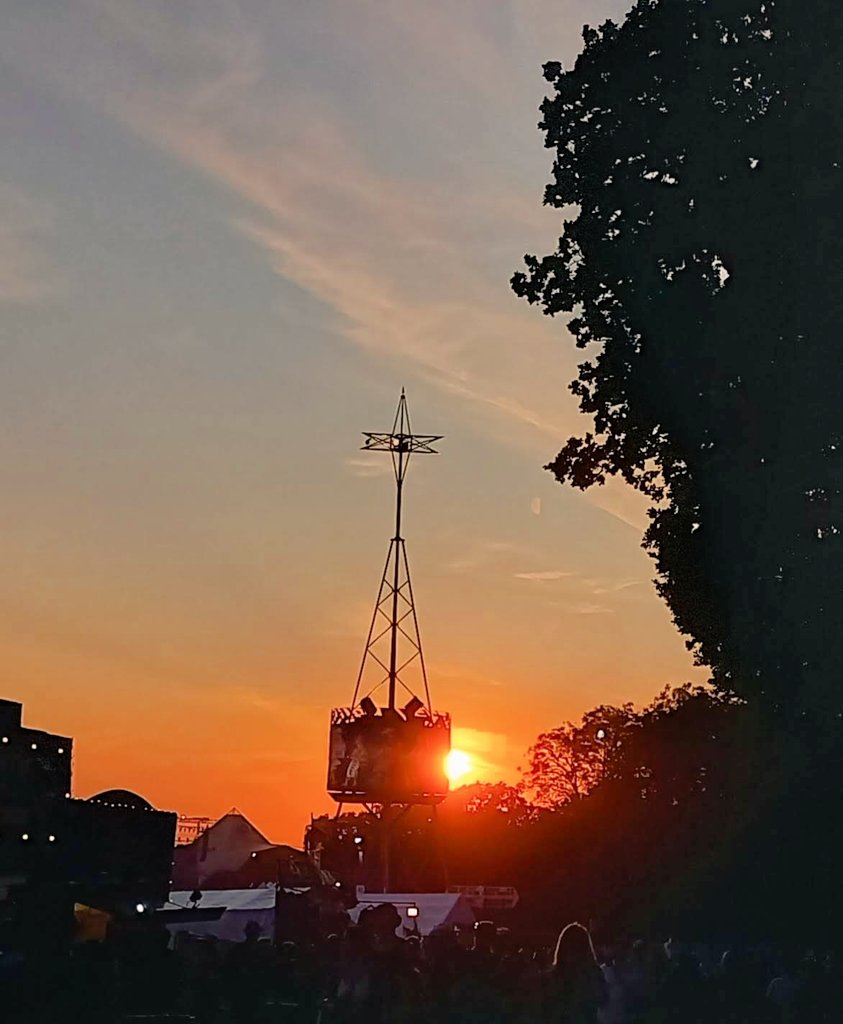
232, 232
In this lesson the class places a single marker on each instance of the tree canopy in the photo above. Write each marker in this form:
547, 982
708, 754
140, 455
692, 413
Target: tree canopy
698, 161
675, 829
566, 763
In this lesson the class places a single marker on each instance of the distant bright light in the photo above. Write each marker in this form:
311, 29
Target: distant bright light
140, 907
457, 764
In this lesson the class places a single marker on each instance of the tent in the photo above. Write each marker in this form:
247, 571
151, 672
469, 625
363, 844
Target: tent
241, 906
258, 904
436, 909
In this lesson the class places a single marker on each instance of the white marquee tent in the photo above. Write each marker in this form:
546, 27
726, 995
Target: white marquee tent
241, 906
435, 908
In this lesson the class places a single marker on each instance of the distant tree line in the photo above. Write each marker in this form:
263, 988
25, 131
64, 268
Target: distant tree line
654, 822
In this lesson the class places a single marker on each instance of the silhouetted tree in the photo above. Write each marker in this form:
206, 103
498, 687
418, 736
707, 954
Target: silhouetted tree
699, 154
567, 762
492, 800
329, 841
684, 746
655, 843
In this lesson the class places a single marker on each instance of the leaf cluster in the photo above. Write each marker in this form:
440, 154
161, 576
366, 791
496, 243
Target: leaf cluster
698, 154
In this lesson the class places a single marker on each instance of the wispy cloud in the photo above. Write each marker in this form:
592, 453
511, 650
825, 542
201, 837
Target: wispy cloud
574, 583
587, 609
621, 502
402, 261
371, 467
481, 553
601, 587
411, 265
479, 741
489, 753
546, 575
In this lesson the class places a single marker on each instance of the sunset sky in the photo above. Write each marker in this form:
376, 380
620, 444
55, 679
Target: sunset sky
230, 232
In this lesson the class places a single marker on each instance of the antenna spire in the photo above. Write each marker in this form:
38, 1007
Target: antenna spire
395, 613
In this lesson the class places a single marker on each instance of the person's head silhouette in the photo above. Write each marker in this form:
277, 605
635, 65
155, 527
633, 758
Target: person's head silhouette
574, 950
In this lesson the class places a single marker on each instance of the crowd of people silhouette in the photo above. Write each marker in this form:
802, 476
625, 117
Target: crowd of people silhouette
367, 974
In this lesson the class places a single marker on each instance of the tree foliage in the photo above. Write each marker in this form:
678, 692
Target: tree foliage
691, 830
566, 763
495, 801
689, 827
698, 159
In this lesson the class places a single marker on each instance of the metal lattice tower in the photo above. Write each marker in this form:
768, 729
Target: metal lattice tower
394, 644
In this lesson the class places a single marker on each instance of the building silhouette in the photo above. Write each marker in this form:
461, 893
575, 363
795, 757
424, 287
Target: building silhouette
35, 764
112, 852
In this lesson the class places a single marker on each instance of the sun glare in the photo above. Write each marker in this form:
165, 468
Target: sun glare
457, 764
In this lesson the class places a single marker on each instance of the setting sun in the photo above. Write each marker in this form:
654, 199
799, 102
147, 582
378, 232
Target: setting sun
457, 764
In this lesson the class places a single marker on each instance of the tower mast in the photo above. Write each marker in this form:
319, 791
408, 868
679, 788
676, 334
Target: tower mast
392, 758
396, 589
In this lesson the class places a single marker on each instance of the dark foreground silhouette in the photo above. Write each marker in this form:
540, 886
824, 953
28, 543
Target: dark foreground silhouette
367, 974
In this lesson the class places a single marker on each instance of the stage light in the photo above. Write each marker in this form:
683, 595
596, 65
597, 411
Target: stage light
34, 746
61, 750
5, 739
412, 911
25, 836
358, 840
140, 908
412, 706
51, 839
